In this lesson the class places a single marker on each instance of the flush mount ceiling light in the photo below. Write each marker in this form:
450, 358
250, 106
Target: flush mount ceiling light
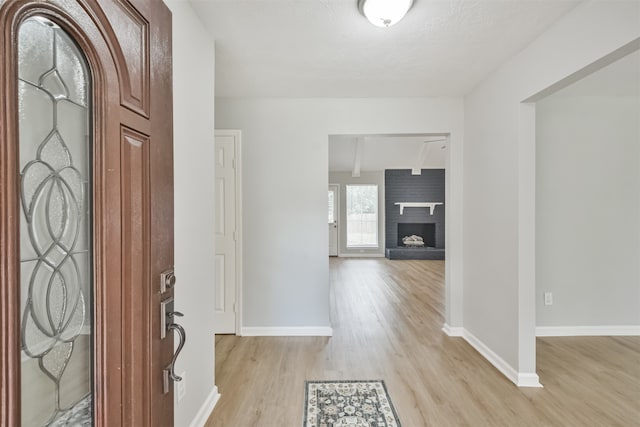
384, 13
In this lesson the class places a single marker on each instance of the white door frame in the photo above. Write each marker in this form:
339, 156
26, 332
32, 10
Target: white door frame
237, 134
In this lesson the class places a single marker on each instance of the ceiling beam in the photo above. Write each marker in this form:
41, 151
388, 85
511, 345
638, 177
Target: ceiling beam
357, 157
423, 155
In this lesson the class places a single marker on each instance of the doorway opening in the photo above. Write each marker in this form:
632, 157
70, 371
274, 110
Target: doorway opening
407, 169
585, 137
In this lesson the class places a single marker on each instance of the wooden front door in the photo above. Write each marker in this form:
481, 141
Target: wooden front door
86, 212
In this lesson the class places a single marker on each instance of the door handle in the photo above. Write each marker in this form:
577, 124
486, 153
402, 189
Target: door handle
183, 338
169, 373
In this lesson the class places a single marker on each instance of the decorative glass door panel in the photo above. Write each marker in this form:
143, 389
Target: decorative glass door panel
55, 227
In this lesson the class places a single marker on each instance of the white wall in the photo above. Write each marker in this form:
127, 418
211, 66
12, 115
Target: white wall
285, 176
193, 115
499, 178
588, 210
343, 179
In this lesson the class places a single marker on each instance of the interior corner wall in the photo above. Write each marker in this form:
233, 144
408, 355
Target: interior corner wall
366, 178
285, 176
193, 116
494, 312
588, 210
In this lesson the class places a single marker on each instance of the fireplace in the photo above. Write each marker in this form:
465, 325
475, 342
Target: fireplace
426, 230
403, 187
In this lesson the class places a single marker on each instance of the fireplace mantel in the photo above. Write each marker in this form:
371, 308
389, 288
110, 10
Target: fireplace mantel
429, 205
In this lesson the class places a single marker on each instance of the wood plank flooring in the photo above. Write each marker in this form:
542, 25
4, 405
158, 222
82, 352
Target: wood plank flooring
387, 318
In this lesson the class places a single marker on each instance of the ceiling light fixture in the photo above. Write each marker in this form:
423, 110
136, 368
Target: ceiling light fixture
384, 13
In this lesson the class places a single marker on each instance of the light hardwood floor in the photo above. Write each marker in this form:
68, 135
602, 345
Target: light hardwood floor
387, 318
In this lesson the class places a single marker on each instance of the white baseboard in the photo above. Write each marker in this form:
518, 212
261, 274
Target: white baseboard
453, 331
206, 409
594, 331
528, 380
521, 379
287, 331
360, 255
492, 357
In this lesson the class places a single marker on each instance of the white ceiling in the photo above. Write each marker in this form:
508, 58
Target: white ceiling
325, 48
380, 152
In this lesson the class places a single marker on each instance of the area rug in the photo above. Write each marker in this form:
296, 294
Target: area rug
348, 403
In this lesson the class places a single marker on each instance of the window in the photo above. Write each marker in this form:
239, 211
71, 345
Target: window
362, 216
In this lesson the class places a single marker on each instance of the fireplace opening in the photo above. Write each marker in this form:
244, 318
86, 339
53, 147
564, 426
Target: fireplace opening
426, 230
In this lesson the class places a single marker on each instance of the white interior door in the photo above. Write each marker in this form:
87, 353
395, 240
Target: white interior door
225, 234
333, 220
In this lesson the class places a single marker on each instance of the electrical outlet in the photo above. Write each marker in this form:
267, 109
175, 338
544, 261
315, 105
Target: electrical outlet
182, 386
548, 298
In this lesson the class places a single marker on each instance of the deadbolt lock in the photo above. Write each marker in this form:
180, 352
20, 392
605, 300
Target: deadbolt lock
167, 281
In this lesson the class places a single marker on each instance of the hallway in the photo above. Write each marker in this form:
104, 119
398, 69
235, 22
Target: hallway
387, 318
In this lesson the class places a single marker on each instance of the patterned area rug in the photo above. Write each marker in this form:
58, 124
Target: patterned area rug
348, 403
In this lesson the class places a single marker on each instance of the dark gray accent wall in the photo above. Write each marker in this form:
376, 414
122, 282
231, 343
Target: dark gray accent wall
401, 186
